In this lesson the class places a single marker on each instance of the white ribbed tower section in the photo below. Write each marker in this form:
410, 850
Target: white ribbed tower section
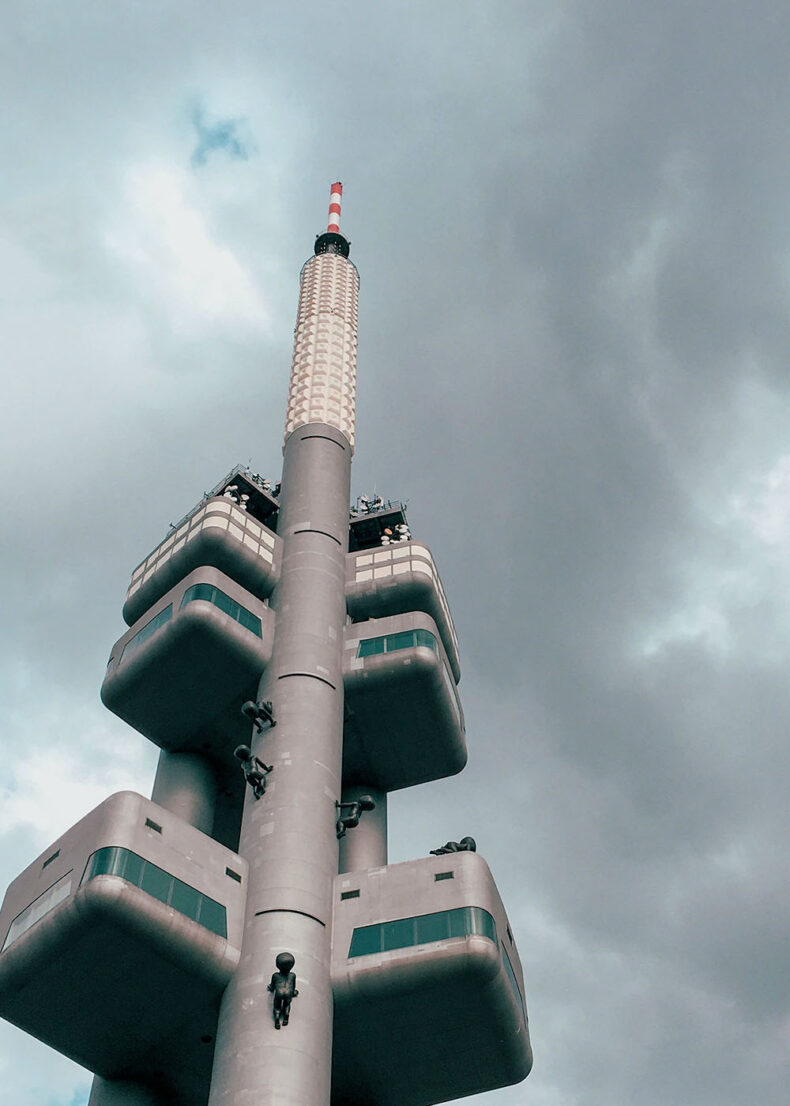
324, 369
288, 836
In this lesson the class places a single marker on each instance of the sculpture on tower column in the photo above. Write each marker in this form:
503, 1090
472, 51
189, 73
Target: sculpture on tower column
283, 987
255, 771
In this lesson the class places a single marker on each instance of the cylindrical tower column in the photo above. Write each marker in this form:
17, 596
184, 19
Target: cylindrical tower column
185, 785
113, 1092
365, 846
288, 835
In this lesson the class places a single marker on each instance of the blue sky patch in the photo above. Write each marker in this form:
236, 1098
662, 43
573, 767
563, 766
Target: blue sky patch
220, 135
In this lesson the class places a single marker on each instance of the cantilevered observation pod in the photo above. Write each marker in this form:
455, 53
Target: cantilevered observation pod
427, 985
118, 941
217, 533
183, 670
398, 578
404, 723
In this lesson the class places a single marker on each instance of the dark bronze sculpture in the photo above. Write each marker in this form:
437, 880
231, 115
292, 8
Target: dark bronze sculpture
255, 771
348, 814
260, 714
465, 845
283, 987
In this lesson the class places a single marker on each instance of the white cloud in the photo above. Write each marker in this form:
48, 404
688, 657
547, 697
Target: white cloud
764, 507
33, 1075
756, 521
52, 789
166, 243
51, 782
702, 622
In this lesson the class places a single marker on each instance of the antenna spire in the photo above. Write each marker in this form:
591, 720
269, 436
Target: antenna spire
335, 198
332, 241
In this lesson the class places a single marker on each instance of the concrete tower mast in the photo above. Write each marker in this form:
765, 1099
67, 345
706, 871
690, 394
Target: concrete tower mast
289, 841
295, 661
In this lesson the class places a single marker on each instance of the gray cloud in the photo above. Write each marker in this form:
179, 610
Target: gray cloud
570, 223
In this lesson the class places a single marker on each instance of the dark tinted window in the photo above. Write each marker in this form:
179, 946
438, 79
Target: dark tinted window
199, 591
398, 935
391, 643
422, 930
131, 867
365, 940
511, 976
147, 631
103, 862
432, 927
461, 922
46, 901
160, 885
212, 915
156, 882
185, 899
227, 605
482, 923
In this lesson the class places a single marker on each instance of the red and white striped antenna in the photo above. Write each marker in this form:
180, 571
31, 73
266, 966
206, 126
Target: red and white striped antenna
335, 196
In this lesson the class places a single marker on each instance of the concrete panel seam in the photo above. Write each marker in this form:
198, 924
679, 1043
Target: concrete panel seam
324, 438
310, 530
285, 910
310, 675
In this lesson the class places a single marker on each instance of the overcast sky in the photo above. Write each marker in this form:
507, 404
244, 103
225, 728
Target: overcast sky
572, 225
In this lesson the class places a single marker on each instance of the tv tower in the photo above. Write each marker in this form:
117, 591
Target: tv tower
240, 938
